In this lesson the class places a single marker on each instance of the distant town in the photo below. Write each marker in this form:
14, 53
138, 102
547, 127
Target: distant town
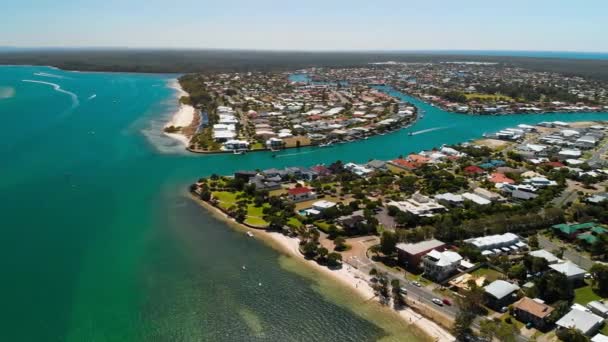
503, 238
241, 112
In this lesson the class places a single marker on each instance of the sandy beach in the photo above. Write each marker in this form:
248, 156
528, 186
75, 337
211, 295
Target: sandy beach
347, 275
183, 117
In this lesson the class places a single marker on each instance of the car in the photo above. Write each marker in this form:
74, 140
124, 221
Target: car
437, 301
446, 301
402, 290
417, 284
588, 276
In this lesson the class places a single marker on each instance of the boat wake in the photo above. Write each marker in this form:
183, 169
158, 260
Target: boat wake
428, 130
44, 74
293, 154
58, 88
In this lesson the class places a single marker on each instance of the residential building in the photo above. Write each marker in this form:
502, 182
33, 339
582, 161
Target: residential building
500, 293
548, 256
440, 265
598, 308
586, 322
419, 205
496, 243
570, 270
299, 194
533, 311
411, 254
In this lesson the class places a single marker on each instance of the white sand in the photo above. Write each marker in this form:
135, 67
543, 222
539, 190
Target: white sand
358, 281
183, 117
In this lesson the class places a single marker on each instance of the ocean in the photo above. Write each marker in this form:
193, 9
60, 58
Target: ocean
101, 243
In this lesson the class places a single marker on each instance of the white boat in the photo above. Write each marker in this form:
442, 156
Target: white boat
250, 234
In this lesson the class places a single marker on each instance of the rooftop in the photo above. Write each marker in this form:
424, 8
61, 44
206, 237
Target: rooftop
500, 289
534, 307
420, 247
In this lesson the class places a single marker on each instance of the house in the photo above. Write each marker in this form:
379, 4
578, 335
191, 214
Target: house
411, 254
498, 177
570, 270
440, 265
500, 293
586, 322
489, 195
599, 338
419, 205
377, 165
473, 170
598, 308
548, 256
244, 175
263, 184
322, 205
236, 145
572, 230
450, 199
299, 194
496, 243
476, 199
404, 164
353, 220
533, 311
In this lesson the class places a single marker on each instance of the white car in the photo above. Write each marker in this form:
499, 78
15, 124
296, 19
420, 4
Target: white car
437, 301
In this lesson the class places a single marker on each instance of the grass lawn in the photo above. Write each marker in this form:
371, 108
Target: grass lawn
489, 273
604, 330
322, 225
584, 295
226, 199
294, 222
258, 146
256, 221
277, 192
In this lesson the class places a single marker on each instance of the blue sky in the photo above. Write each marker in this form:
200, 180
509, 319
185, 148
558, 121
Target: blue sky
563, 25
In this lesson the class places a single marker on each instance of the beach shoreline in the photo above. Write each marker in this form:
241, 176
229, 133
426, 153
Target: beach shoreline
183, 117
347, 276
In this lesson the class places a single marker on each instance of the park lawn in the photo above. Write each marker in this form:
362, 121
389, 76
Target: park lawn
255, 215
322, 225
256, 221
226, 199
294, 222
489, 273
489, 97
585, 294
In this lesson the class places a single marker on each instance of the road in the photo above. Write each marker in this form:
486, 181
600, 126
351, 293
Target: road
422, 295
569, 252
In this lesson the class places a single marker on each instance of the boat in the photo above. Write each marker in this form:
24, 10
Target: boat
239, 152
250, 234
244, 267
410, 134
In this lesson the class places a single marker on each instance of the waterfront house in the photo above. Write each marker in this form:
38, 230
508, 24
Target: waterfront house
533, 311
404, 164
299, 194
586, 322
500, 293
440, 265
410, 254
261, 183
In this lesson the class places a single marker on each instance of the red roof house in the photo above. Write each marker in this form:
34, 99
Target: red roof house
498, 177
473, 170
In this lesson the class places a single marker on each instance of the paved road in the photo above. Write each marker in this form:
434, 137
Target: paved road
597, 155
569, 253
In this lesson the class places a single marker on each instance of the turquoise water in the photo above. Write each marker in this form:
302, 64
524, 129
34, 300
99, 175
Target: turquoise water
99, 242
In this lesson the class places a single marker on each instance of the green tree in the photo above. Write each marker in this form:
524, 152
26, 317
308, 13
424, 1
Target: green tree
388, 242
340, 243
571, 335
310, 249
334, 259
600, 277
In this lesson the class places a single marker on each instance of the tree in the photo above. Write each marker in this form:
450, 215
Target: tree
340, 243
310, 249
334, 259
533, 241
398, 299
322, 253
553, 286
571, 335
600, 277
388, 242
518, 271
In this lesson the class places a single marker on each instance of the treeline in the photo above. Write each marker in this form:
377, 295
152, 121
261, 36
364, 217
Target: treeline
188, 61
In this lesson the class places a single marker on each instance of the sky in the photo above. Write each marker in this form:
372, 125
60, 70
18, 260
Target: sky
537, 25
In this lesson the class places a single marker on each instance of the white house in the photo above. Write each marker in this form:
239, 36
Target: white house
440, 265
